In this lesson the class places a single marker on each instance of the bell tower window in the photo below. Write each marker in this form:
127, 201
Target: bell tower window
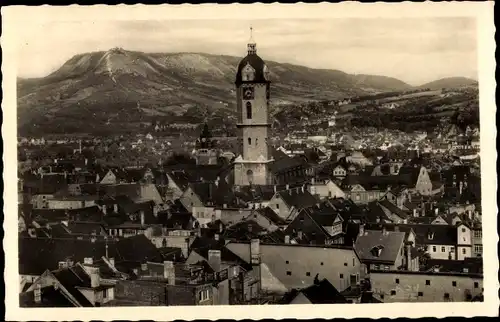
250, 176
249, 110
249, 141
248, 73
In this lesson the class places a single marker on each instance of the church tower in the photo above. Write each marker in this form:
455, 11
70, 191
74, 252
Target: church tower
206, 152
251, 167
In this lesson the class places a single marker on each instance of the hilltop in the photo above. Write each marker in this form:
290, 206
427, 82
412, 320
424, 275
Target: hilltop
450, 82
122, 89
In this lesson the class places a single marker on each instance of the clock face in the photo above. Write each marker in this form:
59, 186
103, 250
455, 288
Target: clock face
248, 93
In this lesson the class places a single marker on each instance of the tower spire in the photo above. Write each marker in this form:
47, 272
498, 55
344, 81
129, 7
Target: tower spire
252, 50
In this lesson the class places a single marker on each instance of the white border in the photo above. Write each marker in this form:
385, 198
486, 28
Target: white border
483, 11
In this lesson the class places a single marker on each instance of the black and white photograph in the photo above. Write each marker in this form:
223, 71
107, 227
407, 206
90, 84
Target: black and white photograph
175, 161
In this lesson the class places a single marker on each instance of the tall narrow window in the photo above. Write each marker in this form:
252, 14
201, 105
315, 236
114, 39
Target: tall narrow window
256, 141
250, 176
249, 141
249, 110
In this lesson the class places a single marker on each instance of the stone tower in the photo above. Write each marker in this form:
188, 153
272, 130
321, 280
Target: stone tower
206, 152
251, 166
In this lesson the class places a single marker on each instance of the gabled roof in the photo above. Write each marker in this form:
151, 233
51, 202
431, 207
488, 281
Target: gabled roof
298, 198
269, 214
322, 292
393, 209
50, 297
389, 244
214, 194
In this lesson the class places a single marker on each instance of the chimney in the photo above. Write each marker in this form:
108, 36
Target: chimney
142, 217
299, 234
115, 208
436, 211
169, 272
287, 239
408, 256
38, 294
216, 237
287, 186
274, 187
312, 180
460, 187
384, 230
214, 259
396, 228
95, 278
221, 228
361, 230
86, 161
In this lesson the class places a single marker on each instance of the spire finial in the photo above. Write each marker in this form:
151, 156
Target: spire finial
251, 43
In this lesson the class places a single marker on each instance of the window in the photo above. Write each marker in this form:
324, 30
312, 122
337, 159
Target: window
381, 296
353, 262
434, 249
478, 248
321, 263
105, 293
249, 110
376, 267
289, 273
249, 141
427, 282
250, 176
308, 273
397, 280
393, 292
203, 295
420, 293
463, 230
464, 251
447, 296
443, 249
476, 285
287, 262
454, 283
341, 275
478, 234
345, 264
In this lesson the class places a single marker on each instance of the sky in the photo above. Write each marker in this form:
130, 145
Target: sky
414, 50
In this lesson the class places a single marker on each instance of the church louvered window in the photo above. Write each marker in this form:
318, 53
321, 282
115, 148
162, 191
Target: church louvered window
249, 110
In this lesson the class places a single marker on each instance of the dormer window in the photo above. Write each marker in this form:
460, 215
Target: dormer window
248, 73
266, 72
377, 250
430, 236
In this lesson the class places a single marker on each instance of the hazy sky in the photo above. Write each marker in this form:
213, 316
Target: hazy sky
415, 50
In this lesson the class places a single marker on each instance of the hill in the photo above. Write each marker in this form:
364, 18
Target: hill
122, 89
450, 82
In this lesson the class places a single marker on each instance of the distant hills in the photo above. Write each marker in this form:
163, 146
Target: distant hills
117, 86
449, 82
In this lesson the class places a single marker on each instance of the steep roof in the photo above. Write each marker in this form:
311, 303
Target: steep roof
322, 292
298, 198
377, 246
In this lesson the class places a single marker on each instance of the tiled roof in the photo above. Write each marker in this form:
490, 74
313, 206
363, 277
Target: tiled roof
322, 292
298, 198
389, 242
50, 297
393, 209
271, 215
